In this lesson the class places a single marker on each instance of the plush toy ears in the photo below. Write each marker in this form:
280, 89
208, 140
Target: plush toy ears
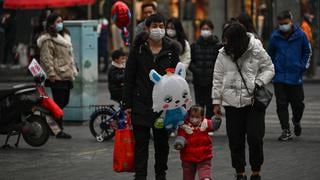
154, 76
180, 70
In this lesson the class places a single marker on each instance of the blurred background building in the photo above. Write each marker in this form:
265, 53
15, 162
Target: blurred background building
191, 12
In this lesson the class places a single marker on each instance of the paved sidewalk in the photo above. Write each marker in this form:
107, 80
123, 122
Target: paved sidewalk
82, 158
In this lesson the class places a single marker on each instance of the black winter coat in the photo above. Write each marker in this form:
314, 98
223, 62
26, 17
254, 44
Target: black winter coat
138, 86
203, 57
116, 82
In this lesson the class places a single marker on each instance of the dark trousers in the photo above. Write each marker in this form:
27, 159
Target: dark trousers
2, 41
242, 122
286, 94
61, 97
203, 98
161, 146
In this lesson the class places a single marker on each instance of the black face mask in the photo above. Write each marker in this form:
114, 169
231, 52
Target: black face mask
227, 48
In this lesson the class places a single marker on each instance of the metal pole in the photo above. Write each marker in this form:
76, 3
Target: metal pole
134, 18
89, 12
226, 10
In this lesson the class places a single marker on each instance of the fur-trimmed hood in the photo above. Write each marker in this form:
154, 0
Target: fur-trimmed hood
64, 40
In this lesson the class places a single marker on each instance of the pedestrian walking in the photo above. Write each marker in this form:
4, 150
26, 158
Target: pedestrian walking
116, 75
103, 39
175, 31
290, 51
195, 145
147, 9
242, 53
306, 26
203, 56
150, 50
56, 58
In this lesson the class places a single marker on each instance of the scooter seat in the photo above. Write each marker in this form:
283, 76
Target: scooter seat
7, 92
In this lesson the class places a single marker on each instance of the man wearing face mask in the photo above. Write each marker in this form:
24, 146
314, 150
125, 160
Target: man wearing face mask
147, 9
290, 51
150, 50
203, 57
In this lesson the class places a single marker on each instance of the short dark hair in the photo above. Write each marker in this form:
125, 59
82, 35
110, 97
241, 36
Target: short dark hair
285, 15
208, 23
147, 4
197, 109
116, 54
155, 18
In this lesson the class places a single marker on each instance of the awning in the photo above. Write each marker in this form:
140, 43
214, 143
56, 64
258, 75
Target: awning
40, 4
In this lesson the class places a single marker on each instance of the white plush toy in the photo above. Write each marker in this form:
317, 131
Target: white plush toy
171, 94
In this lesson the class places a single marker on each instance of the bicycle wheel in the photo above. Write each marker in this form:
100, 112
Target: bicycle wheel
102, 124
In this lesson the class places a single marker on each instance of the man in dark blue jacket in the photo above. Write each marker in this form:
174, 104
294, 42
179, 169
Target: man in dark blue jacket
290, 51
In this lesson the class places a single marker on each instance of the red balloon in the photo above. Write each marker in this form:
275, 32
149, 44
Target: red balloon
121, 14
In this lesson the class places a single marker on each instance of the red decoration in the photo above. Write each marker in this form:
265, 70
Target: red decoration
121, 16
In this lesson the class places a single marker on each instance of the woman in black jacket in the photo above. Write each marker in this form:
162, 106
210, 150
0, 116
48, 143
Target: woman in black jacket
203, 57
151, 50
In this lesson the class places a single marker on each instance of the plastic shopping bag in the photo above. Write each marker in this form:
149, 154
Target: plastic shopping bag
55, 110
123, 151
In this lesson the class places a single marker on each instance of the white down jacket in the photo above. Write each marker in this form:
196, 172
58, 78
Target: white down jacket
256, 67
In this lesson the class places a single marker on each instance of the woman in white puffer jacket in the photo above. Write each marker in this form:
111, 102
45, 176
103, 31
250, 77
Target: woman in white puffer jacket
242, 119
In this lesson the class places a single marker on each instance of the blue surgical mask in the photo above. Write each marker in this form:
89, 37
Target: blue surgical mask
59, 27
285, 27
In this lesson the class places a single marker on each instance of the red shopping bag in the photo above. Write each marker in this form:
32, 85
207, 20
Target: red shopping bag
123, 151
55, 110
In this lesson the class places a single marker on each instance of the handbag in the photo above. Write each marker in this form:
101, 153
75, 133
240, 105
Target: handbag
261, 95
123, 150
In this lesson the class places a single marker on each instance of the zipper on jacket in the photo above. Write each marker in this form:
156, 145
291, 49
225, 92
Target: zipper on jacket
154, 58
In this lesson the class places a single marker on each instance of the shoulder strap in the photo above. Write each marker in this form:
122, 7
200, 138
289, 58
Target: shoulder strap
244, 81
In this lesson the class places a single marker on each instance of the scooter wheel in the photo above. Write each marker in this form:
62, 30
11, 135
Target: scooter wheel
39, 131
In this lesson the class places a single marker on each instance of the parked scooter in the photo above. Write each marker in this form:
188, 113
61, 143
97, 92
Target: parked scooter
24, 111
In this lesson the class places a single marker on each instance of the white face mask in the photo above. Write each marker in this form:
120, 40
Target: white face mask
195, 121
171, 33
285, 27
157, 34
206, 33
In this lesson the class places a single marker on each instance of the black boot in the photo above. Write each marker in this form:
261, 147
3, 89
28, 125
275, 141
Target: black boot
63, 135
